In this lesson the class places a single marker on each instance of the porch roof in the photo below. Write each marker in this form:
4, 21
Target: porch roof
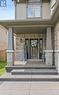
25, 23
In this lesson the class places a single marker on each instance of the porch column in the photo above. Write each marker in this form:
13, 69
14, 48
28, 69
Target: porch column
10, 50
57, 52
56, 36
48, 47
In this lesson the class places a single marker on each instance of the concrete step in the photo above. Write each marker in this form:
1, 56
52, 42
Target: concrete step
10, 68
33, 72
9, 77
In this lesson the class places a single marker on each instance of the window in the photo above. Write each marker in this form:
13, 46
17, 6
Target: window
34, 43
2, 3
34, 9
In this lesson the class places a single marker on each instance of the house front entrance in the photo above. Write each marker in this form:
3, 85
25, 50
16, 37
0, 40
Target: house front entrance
34, 48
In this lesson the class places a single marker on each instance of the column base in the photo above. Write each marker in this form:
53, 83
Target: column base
10, 57
57, 60
49, 58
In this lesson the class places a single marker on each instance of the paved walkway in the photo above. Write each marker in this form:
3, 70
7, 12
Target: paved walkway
29, 88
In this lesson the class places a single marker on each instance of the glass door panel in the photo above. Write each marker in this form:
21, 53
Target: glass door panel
40, 48
34, 48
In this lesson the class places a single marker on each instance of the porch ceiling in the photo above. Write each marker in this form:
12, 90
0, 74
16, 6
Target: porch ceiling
29, 30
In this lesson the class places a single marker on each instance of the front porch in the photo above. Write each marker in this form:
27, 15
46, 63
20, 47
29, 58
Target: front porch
31, 40
31, 67
30, 43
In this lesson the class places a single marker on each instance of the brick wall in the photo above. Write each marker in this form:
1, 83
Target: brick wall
3, 55
3, 43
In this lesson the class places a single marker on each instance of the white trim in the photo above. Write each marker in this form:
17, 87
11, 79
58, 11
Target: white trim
56, 51
10, 51
50, 51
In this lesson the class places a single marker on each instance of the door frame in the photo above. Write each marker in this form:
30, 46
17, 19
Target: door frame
40, 50
28, 53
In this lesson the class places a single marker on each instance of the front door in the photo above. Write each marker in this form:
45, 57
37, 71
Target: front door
34, 48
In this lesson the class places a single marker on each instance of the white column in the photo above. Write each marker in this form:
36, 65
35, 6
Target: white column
57, 48
10, 50
58, 52
49, 47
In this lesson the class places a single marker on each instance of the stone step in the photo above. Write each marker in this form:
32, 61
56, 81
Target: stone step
33, 72
9, 68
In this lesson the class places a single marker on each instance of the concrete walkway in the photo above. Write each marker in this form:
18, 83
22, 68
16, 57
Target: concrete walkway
29, 88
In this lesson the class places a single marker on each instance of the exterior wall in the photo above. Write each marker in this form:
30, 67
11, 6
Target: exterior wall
45, 11
20, 42
20, 11
56, 44
3, 55
21, 14
3, 43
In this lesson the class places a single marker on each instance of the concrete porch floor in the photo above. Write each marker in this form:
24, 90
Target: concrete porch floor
31, 63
